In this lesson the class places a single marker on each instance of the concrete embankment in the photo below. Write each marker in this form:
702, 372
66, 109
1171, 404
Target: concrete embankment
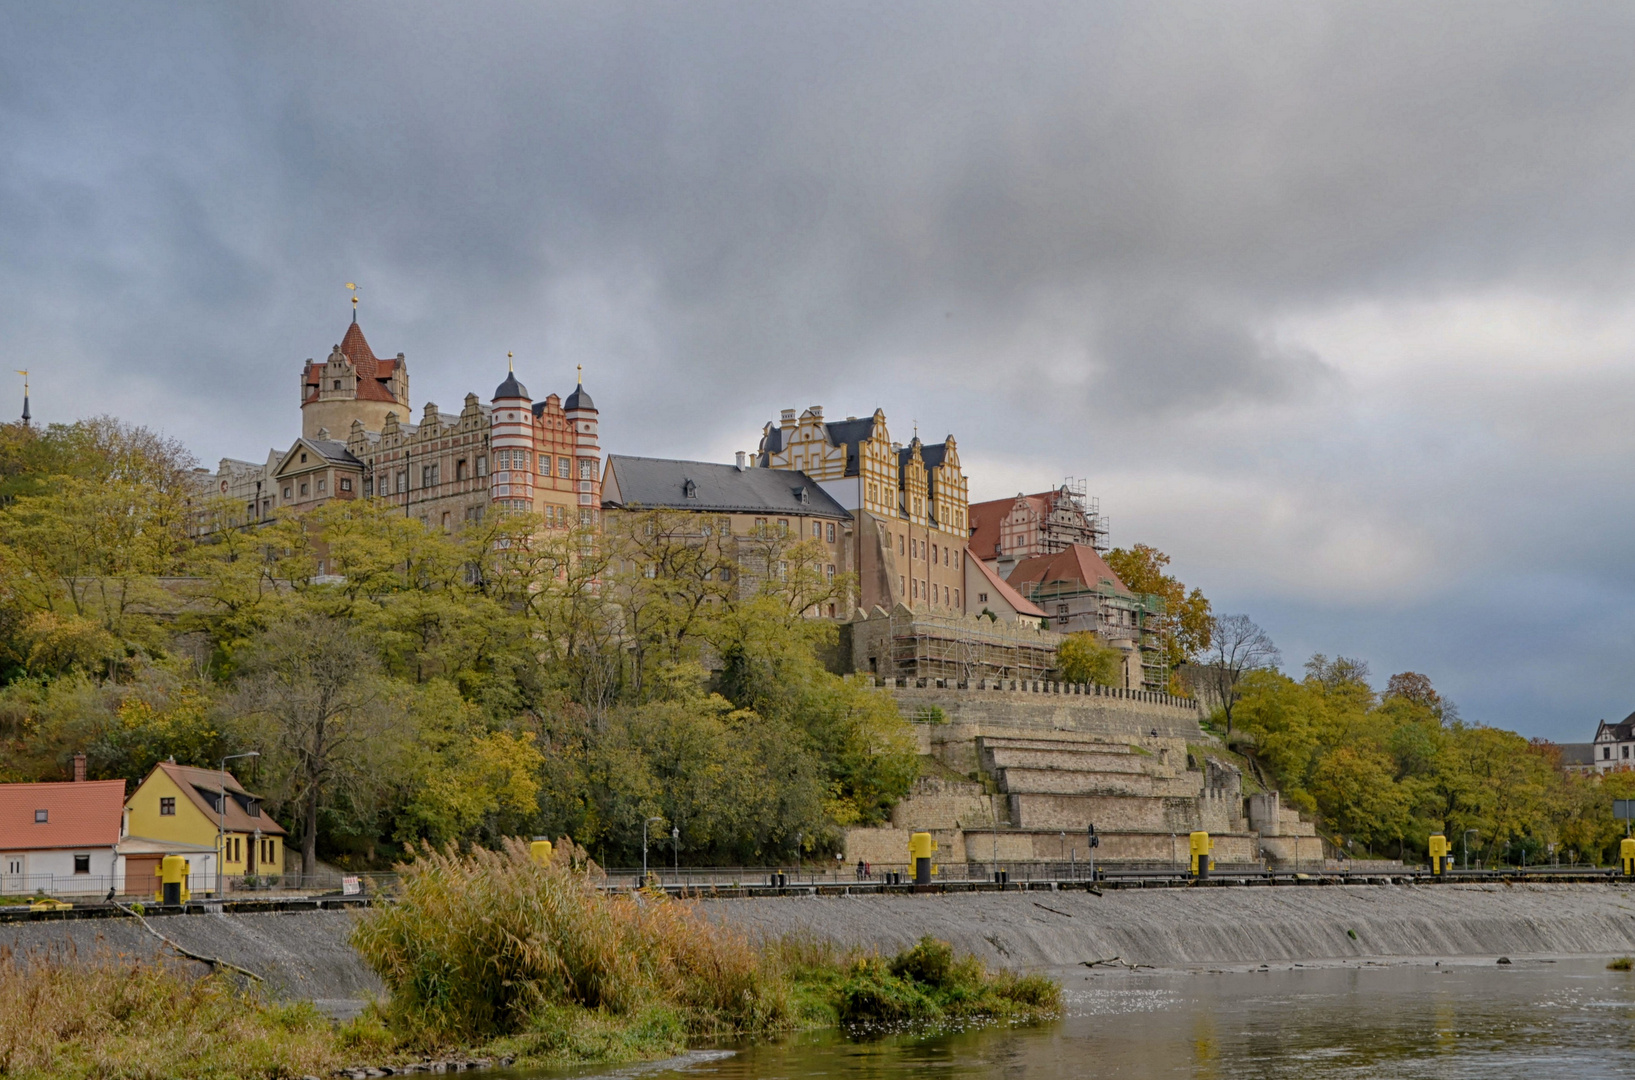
1199, 927
300, 954
306, 955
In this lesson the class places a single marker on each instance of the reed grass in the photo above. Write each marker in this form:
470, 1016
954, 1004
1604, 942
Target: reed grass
116, 1018
490, 944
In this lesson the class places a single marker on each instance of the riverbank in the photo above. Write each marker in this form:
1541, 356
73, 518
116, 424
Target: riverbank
306, 955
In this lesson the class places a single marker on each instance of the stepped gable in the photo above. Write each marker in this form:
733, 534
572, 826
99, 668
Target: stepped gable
373, 373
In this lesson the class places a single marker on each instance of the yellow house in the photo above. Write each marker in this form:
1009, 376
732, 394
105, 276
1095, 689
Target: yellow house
184, 804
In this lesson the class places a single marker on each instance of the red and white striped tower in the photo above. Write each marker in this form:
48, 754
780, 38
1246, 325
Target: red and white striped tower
511, 445
580, 412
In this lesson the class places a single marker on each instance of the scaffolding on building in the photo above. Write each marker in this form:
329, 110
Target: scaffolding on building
966, 648
1143, 628
1095, 531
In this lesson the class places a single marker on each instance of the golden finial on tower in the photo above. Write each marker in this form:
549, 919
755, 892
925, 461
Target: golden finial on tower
354, 289
581, 368
508, 366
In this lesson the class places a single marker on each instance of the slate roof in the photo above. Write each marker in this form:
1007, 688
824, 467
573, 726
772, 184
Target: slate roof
78, 815
578, 400
1577, 753
653, 483
510, 388
203, 787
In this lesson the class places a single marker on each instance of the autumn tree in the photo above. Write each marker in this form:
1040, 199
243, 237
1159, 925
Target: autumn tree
1236, 647
1182, 631
1085, 658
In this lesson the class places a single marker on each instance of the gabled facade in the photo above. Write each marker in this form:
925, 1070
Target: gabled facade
1005, 531
1077, 591
185, 804
908, 502
1614, 747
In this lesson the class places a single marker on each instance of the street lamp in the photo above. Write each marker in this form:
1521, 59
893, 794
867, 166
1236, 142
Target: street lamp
221, 816
646, 823
675, 850
1465, 840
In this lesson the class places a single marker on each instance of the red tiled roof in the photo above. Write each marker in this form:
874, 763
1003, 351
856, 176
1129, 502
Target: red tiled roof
1079, 564
196, 783
372, 373
1022, 604
82, 815
985, 518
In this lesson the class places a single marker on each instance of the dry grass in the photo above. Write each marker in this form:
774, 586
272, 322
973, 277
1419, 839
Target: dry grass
113, 1018
491, 944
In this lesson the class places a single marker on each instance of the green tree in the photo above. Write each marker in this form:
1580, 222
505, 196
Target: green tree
1085, 658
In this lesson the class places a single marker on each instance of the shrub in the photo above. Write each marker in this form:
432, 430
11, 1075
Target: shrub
113, 1017
493, 944
928, 982
1623, 963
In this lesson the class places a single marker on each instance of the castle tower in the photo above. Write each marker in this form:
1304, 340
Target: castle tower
580, 412
352, 385
511, 441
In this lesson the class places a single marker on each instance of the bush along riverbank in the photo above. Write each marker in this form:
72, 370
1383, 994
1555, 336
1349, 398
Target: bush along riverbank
534, 961
491, 957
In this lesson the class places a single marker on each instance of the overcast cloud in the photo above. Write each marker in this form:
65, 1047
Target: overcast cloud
1330, 301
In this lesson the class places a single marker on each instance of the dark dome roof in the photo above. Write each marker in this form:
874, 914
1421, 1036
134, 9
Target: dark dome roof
510, 388
578, 400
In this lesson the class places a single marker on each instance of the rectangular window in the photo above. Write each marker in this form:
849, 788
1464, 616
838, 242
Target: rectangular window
402, 480
502, 460
724, 526
42, 817
587, 469
167, 807
982, 598
346, 485
564, 468
482, 464
726, 573
82, 864
956, 598
916, 588
900, 585
817, 530
304, 489
783, 526
831, 532
760, 526
425, 476
830, 571
321, 486
899, 544
544, 466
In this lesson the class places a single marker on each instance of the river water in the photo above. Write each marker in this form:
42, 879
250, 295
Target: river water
1532, 1018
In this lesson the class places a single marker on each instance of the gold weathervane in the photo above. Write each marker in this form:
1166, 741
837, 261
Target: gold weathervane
354, 289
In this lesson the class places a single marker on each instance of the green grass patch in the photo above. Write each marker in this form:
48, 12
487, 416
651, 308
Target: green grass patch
1623, 963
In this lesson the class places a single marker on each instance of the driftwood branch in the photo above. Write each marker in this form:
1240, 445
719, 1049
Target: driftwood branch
213, 961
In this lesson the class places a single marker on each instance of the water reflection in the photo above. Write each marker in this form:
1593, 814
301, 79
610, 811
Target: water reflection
1530, 1019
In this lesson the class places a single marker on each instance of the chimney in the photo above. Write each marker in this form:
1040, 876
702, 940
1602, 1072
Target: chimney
79, 768
740, 461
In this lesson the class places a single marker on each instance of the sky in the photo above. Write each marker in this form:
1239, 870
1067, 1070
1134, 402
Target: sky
1329, 301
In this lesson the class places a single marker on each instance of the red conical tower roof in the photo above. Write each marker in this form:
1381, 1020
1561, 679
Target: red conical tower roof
356, 349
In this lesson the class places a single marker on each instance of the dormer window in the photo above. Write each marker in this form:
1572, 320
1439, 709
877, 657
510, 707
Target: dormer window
42, 817
690, 489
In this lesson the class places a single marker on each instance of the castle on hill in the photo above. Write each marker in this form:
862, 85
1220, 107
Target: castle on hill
358, 441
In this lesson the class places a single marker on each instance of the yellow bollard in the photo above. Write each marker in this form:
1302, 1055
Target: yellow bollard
1439, 854
173, 873
1626, 856
920, 848
1200, 846
540, 851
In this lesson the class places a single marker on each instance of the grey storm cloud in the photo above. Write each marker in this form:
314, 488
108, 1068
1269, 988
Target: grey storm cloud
1211, 256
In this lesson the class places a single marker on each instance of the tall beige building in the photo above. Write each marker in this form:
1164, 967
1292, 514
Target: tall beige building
909, 502
358, 441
